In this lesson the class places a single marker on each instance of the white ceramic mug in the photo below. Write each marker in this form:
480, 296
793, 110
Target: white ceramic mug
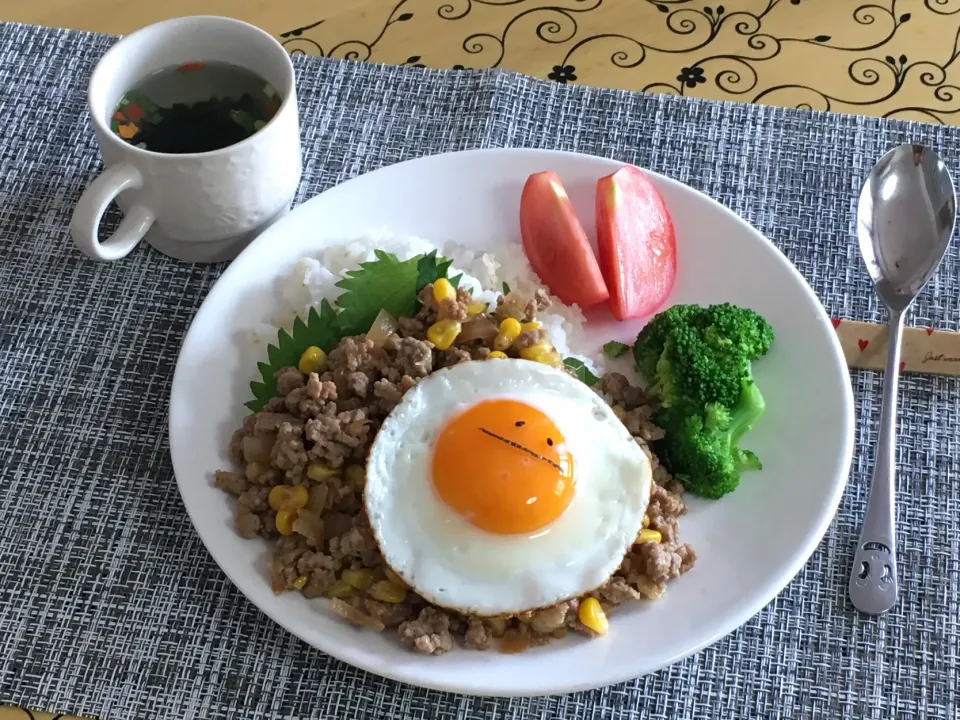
198, 207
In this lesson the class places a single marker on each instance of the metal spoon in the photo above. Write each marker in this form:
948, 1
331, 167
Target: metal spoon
905, 218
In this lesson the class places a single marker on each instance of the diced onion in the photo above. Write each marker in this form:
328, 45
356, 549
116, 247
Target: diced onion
318, 499
384, 325
349, 613
514, 305
478, 328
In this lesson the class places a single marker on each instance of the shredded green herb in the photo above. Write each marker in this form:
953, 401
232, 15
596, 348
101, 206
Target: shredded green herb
614, 349
581, 371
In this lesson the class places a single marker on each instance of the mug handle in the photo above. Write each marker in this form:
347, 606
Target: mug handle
93, 203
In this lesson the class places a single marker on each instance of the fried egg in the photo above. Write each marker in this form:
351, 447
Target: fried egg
504, 485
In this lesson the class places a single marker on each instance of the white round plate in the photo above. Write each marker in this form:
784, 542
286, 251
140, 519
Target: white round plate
750, 543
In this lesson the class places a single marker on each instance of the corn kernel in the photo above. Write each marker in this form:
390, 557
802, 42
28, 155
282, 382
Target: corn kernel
646, 521
392, 577
387, 592
476, 307
592, 615
533, 352
284, 521
320, 471
508, 332
551, 358
510, 328
356, 476
620, 412
300, 582
313, 360
340, 589
646, 535
496, 354
288, 497
532, 325
443, 290
359, 579
443, 332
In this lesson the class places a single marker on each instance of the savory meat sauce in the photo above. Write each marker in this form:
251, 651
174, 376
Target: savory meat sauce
302, 478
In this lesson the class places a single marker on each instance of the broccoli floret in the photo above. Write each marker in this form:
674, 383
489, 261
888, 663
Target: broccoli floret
698, 362
717, 325
651, 341
696, 368
745, 328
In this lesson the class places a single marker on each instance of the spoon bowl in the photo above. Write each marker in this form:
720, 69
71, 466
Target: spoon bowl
905, 218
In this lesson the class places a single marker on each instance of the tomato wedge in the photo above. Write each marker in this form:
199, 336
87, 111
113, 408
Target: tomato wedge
555, 243
636, 243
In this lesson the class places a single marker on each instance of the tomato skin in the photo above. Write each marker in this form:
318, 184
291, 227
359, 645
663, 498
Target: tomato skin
556, 245
636, 243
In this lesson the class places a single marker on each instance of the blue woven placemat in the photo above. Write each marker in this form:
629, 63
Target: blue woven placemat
110, 605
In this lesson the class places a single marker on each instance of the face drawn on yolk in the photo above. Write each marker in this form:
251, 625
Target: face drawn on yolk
504, 467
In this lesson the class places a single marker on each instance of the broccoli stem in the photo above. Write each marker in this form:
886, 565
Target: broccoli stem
728, 426
747, 411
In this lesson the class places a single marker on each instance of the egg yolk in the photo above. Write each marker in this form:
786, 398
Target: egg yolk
504, 466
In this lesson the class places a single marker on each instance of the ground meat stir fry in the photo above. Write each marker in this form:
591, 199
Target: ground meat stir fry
301, 484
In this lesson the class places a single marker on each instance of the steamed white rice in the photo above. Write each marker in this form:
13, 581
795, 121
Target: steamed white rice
314, 279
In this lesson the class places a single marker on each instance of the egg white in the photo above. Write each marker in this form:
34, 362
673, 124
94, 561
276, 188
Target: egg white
456, 565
